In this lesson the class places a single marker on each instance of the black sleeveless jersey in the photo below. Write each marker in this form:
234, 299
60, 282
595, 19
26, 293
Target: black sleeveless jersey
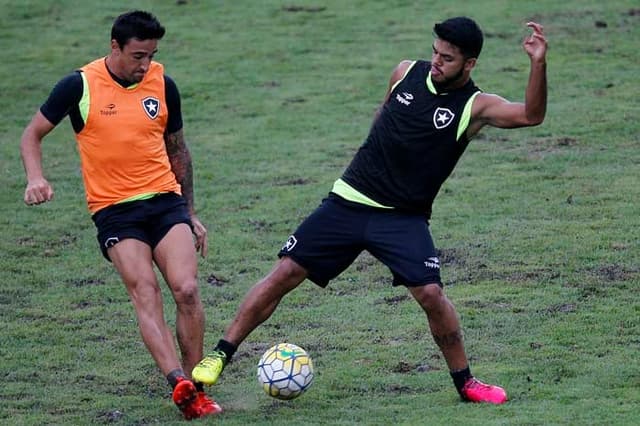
413, 145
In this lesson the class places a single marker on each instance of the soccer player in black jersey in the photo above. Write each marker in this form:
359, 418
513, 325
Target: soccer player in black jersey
383, 200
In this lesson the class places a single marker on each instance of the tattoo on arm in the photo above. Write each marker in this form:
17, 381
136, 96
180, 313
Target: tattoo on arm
180, 160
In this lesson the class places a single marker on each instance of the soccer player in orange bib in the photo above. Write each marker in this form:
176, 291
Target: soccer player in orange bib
138, 180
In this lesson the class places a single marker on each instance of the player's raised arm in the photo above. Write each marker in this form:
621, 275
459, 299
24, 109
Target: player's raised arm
493, 110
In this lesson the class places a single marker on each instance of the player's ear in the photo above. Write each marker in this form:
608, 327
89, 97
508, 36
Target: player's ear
114, 45
470, 63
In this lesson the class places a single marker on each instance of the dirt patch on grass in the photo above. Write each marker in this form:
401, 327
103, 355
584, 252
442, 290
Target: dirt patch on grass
307, 9
612, 273
393, 300
216, 281
294, 182
85, 282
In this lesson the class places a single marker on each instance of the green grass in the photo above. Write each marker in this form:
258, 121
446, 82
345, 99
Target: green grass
538, 228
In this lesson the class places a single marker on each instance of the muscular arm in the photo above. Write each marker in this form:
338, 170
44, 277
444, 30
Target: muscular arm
493, 110
64, 97
176, 147
38, 189
180, 160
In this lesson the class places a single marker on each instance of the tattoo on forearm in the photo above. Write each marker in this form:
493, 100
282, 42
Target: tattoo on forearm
180, 160
447, 340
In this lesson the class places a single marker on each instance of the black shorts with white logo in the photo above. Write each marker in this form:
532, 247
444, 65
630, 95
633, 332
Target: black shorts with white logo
333, 236
147, 220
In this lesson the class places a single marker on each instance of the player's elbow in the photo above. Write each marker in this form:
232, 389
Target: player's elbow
534, 119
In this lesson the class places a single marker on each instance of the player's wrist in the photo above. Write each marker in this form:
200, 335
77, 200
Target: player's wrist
539, 61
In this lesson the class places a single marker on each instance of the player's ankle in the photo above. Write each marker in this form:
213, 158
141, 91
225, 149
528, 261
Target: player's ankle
173, 377
227, 348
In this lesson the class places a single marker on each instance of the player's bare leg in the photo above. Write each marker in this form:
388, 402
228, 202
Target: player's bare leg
257, 307
132, 259
263, 298
176, 258
443, 323
445, 329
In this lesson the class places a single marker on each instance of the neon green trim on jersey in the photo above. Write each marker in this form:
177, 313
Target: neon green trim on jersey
430, 85
347, 192
403, 76
466, 116
85, 99
139, 197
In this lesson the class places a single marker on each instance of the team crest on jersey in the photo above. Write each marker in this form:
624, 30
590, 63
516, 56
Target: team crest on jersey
151, 106
442, 117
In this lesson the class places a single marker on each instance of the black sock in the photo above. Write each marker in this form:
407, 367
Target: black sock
460, 377
173, 375
228, 348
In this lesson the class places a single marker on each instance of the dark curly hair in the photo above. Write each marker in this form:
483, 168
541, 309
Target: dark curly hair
462, 32
136, 24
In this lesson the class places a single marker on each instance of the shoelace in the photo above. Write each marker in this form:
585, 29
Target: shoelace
213, 358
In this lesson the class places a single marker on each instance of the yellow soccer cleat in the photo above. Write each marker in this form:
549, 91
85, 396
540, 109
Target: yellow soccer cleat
208, 370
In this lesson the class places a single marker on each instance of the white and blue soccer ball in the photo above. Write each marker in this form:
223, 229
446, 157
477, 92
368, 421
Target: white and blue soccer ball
285, 371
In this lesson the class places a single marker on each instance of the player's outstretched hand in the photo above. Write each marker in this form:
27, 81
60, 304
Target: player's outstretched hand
536, 44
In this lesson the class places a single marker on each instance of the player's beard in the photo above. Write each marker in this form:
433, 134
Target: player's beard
449, 82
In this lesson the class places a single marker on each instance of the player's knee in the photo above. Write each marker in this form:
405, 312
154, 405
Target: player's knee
289, 273
186, 293
430, 297
143, 290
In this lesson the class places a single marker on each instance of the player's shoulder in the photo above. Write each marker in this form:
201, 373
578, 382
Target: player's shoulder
70, 86
404, 65
401, 70
168, 80
71, 80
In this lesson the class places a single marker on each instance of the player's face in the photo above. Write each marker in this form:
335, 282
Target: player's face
133, 59
449, 68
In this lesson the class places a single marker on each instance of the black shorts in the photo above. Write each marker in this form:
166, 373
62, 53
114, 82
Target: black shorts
146, 220
333, 236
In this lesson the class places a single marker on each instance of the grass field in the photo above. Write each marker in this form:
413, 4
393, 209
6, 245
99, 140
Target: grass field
538, 228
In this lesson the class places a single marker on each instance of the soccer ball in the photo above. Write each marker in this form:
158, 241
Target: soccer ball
285, 371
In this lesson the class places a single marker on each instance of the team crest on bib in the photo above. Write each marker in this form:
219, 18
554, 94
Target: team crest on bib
442, 117
151, 106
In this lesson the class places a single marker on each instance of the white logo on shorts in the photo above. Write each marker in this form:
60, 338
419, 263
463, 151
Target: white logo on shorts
432, 262
111, 242
290, 244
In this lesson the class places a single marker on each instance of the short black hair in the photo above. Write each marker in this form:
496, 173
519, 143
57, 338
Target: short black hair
136, 24
462, 32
